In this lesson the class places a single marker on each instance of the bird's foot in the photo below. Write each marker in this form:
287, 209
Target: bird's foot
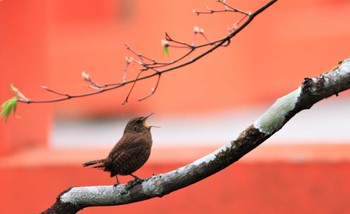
134, 182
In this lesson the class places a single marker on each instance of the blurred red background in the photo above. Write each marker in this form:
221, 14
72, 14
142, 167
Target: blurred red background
51, 42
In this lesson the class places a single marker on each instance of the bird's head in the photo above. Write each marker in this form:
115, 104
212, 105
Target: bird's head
138, 124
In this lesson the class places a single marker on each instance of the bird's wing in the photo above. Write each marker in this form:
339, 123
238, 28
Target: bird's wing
129, 156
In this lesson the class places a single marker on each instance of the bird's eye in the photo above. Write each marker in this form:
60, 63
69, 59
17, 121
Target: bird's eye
139, 121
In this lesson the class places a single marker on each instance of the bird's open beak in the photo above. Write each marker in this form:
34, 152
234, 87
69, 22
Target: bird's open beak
145, 118
144, 121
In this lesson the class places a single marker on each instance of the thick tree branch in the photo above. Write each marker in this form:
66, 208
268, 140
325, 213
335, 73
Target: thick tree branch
310, 92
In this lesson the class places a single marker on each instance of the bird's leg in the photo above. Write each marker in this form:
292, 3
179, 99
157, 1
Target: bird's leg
115, 185
136, 178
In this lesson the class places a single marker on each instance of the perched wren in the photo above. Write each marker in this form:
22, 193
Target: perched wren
130, 153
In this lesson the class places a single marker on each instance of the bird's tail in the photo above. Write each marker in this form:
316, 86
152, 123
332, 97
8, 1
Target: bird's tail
95, 163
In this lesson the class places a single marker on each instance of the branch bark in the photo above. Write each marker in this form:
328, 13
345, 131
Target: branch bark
310, 92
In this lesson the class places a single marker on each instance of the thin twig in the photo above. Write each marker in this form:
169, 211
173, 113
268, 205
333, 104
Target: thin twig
55, 92
165, 66
153, 90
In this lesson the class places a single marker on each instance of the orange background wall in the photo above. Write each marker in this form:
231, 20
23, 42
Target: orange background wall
51, 42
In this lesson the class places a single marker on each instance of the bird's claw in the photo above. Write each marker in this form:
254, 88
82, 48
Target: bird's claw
134, 182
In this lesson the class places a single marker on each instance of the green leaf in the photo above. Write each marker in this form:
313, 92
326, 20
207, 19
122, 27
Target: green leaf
8, 106
166, 49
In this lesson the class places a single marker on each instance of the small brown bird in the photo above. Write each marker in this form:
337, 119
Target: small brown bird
130, 153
